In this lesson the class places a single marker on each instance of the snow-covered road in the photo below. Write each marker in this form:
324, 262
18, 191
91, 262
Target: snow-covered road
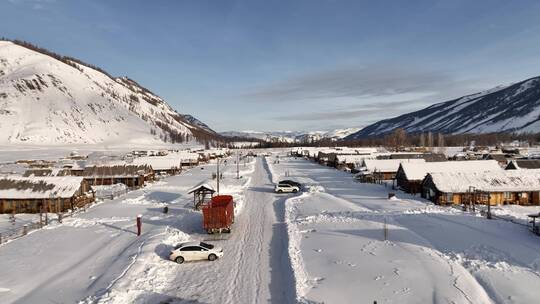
256, 266
433, 254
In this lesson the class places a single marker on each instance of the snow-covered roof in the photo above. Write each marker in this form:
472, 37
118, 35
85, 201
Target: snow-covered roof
46, 172
202, 185
417, 171
387, 165
498, 181
16, 187
351, 159
116, 171
160, 162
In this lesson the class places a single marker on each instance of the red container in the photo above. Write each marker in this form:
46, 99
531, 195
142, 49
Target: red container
218, 214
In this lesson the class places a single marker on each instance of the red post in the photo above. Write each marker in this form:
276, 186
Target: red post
139, 224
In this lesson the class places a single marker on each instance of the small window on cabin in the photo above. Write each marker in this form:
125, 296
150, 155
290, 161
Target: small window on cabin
507, 195
449, 197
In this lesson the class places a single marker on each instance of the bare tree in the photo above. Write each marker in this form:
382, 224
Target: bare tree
430, 139
398, 138
440, 140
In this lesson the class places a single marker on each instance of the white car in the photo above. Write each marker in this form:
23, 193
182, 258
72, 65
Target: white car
194, 251
286, 188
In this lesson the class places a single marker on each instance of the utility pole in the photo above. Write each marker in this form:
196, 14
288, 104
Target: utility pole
488, 216
217, 175
237, 165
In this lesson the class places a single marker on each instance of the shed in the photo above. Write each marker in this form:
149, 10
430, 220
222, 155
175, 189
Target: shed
201, 194
161, 164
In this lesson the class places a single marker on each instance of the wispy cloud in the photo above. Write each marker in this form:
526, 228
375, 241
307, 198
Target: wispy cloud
345, 113
369, 81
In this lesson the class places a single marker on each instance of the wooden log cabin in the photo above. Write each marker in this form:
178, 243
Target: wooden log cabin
170, 165
132, 176
43, 194
372, 170
410, 176
521, 187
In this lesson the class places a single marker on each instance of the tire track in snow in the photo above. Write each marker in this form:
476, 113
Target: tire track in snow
253, 269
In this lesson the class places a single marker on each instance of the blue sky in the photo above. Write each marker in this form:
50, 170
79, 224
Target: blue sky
292, 65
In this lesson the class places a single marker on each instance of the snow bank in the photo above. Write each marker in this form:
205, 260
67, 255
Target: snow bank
302, 278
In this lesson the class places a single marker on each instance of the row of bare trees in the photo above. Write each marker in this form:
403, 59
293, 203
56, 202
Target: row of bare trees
400, 138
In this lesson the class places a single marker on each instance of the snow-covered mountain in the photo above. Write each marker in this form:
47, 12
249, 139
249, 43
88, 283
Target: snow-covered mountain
513, 108
293, 136
49, 99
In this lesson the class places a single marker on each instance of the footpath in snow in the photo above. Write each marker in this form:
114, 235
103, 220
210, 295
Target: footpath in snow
431, 254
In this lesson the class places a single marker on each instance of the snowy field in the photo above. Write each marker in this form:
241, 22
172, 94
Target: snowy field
431, 255
326, 244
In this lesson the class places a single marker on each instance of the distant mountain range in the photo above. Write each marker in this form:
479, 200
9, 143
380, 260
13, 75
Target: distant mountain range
49, 99
513, 108
293, 136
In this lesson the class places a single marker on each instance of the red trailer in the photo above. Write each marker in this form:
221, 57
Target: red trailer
218, 214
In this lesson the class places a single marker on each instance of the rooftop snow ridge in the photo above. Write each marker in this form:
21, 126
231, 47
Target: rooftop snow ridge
417, 171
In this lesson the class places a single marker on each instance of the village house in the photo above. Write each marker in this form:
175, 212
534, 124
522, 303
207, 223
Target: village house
188, 159
429, 157
494, 187
372, 170
36, 163
43, 194
170, 165
350, 161
409, 176
130, 175
47, 172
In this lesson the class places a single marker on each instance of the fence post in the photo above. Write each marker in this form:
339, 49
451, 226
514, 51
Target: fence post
488, 216
0, 238
385, 230
139, 224
25, 229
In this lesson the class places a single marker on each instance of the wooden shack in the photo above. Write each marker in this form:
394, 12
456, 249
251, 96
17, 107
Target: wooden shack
169, 164
43, 194
372, 170
130, 175
202, 193
520, 187
47, 172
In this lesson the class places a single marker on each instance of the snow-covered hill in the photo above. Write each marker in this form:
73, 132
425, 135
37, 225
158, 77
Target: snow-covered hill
293, 136
513, 108
47, 99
